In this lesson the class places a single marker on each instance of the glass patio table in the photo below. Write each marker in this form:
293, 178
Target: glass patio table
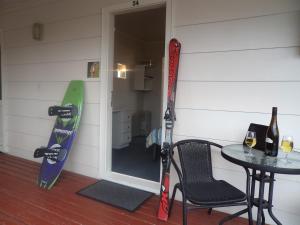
268, 166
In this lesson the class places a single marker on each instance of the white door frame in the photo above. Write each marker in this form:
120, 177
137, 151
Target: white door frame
106, 83
2, 102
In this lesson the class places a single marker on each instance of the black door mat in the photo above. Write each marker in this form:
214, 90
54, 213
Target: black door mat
117, 195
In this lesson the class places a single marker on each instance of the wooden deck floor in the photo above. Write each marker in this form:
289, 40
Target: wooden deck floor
22, 202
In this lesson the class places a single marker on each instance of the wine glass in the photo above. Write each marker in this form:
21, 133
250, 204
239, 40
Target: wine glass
286, 146
250, 140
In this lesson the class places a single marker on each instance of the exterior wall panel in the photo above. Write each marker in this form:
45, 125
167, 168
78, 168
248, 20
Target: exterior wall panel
229, 49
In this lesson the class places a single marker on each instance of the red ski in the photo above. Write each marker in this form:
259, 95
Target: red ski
174, 52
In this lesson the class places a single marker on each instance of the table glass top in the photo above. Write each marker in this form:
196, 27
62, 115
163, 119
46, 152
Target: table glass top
241, 152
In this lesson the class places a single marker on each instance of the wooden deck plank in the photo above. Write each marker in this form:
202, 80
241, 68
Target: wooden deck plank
69, 204
8, 220
23, 202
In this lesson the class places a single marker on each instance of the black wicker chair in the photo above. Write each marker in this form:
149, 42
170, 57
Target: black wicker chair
198, 185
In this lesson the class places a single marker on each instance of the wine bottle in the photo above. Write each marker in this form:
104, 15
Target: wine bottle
272, 135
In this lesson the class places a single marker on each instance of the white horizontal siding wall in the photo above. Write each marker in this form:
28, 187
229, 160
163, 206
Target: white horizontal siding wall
240, 58
38, 72
229, 49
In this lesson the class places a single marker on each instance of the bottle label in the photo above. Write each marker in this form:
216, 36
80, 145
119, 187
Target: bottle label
269, 140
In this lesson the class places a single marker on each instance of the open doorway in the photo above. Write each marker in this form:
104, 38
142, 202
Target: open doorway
139, 46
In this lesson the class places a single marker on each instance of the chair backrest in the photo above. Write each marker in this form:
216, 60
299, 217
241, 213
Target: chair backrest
261, 131
195, 160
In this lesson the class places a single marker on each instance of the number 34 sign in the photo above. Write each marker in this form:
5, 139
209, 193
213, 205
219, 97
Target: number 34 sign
135, 3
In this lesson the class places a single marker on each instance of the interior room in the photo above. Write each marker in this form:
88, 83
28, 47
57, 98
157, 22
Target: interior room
137, 95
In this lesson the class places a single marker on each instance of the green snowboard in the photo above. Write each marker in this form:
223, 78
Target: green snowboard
63, 134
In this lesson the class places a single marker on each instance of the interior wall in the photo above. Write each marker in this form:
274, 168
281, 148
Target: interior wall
229, 48
128, 50
133, 47
153, 99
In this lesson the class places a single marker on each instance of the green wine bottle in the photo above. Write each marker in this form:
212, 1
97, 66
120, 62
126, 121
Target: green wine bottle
272, 135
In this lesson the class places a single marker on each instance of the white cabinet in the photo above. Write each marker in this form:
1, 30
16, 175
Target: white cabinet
121, 129
142, 80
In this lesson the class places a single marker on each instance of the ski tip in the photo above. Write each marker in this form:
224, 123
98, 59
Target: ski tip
162, 217
175, 42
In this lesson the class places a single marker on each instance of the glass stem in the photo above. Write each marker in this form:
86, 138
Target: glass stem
286, 159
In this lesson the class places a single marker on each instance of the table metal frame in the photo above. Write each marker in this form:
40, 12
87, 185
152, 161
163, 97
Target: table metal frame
266, 175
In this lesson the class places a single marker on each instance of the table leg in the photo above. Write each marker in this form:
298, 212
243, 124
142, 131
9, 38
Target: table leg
253, 186
263, 220
249, 196
270, 205
260, 200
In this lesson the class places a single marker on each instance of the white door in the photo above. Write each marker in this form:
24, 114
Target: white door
107, 56
1, 92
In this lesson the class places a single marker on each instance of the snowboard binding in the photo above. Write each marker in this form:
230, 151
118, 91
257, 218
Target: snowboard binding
64, 112
55, 154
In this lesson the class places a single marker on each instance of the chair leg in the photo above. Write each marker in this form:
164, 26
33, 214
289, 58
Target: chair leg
209, 211
172, 199
250, 219
184, 212
263, 220
230, 217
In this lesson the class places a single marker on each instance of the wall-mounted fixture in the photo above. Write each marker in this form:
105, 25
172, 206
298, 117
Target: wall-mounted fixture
121, 71
37, 31
93, 69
